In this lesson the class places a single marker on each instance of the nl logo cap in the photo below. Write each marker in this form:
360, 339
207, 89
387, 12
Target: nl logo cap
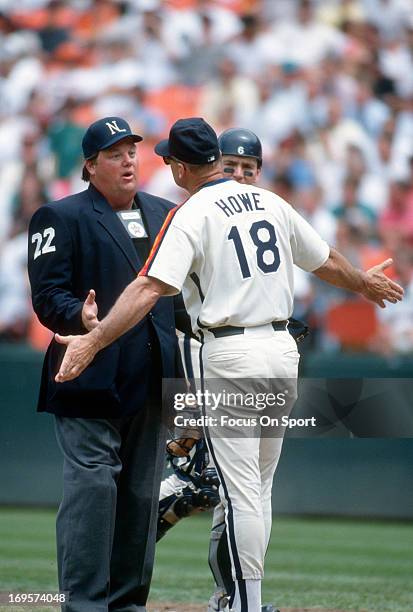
104, 133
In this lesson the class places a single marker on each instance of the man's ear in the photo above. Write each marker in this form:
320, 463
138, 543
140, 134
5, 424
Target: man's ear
90, 165
181, 171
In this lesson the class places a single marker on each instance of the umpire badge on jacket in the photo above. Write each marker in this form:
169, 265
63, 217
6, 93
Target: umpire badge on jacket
132, 222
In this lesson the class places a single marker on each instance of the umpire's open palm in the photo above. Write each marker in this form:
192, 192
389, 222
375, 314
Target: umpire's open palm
79, 353
378, 287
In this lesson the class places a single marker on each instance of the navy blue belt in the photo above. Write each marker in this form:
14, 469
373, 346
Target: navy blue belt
230, 330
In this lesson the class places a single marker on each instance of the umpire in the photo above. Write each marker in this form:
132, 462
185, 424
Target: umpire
108, 421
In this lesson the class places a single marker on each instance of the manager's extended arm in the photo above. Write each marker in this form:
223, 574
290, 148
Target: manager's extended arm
133, 304
373, 284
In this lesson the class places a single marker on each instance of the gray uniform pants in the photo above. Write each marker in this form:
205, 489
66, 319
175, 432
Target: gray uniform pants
106, 524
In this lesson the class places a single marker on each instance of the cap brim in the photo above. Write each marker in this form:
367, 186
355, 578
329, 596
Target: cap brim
162, 148
118, 137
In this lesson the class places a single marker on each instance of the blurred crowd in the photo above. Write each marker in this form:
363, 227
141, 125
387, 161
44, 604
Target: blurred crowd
326, 85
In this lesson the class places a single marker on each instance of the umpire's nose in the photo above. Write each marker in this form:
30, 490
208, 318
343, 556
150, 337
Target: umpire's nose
127, 159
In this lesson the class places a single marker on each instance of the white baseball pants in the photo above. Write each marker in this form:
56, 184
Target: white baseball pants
246, 461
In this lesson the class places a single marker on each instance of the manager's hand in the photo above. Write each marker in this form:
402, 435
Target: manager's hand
379, 287
80, 352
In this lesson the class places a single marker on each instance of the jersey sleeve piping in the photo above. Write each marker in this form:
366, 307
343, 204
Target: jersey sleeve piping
159, 239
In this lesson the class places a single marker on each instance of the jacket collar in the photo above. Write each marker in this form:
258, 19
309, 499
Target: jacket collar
111, 223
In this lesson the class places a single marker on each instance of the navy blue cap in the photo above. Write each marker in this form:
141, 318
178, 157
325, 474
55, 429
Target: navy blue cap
190, 140
104, 133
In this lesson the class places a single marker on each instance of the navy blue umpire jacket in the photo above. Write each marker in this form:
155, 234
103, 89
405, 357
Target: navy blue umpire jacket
78, 244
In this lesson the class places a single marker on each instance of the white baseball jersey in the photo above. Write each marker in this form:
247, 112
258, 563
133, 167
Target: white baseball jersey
230, 248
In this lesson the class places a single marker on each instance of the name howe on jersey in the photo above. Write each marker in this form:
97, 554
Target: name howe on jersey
230, 248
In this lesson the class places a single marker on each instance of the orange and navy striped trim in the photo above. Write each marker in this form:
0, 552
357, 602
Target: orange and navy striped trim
158, 240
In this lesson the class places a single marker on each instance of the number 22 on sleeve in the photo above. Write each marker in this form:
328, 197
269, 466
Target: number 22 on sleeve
46, 238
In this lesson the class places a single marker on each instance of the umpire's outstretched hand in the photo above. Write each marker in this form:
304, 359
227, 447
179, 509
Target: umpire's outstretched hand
80, 352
